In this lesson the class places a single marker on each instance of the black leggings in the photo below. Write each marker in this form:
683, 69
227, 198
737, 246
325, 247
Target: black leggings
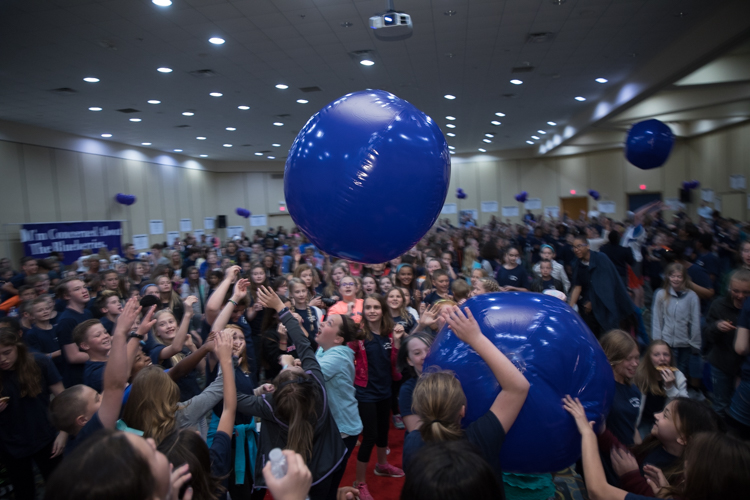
22, 471
376, 423
395, 389
336, 477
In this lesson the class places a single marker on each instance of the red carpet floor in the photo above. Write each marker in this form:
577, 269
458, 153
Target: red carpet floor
381, 488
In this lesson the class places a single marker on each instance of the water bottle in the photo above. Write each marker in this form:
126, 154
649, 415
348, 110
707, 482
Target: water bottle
278, 463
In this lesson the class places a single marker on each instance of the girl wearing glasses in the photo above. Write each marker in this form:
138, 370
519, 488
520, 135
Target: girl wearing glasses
349, 305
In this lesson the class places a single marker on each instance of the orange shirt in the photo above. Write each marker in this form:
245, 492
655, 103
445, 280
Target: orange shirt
342, 307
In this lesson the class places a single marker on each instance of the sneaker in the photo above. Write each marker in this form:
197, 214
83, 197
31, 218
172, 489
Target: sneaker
364, 493
398, 422
388, 470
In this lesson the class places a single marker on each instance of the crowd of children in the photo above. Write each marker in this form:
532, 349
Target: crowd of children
173, 373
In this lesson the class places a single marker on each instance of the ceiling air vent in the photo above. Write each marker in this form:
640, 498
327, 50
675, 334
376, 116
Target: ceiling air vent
522, 69
541, 37
510, 96
129, 110
311, 89
203, 73
285, 115
64, 91
182, 126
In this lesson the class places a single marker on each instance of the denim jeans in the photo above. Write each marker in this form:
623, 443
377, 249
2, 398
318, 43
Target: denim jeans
691, 365
723, 390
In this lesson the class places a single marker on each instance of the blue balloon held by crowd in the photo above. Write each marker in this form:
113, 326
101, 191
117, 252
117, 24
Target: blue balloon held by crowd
648, 144
351, 173
557, 353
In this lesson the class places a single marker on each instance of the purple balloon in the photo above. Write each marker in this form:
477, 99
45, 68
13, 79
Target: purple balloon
243, 212
594, 194
125, 199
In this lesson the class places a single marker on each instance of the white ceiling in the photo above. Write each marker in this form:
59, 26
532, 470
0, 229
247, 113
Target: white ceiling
53, 44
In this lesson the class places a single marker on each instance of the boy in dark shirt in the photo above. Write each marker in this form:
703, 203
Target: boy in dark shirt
546, 281
441, 282
74, 291
80, 410
42, 337
109, 306
92, 338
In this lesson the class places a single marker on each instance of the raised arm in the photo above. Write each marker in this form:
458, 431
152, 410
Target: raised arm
224, 351
514, 385
188, 363
179, 339
213, 306
240, 290
146, 324
117, 371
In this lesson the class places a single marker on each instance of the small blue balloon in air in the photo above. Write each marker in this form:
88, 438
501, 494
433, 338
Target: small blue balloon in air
125, 199
648, 144
367, 177
556, 352
243, 212
460, 194
521, 197
594, 194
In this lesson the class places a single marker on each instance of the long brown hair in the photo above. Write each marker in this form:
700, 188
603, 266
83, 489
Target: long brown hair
617, 345
674, 267
333, 288
185, 446
386, 322
152, 404
178, 356
29, 373
243, 358
294, 402
402, 311
438, 399
252, 289
647, 377
174, 297
690, 418
719, 467
315, 278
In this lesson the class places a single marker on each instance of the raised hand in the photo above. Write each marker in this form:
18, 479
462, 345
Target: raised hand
575, 408
232, 273
622, 461
463, 325
268, 298
147, 322
223, 346
240, 289
129, 314
655, 478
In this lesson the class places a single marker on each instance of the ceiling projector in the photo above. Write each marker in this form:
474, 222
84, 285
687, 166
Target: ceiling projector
392, 26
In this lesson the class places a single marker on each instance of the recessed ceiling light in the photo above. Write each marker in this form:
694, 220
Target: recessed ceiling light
258, 154
188, 113
302, 101
516, 81
162, 3
366, 62
231, 129
278, 124
495, 123
154, 101
135, 120
216, 40
227, 145
271, 157
535, 137
107, 135
164, 70
276, 145
449, 13
451, 134
243, 108
451, 147
178, 151
601, 80
580, 98
204, 156
452, 152
489, 135
201, 138
216, 94
281, 86
449, 97
551, 124
95, 108
145, 144
487, 141
90, 79
529, 142
482, 150
450, 118
499, 114
541, 132
450, 125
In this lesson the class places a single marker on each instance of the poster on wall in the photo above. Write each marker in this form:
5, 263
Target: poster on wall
39, 240
186, 225
552, 212
707, 195
208, 223
233, 231
140, 241
449, 208
607, 207
737, 182
489, 206
156, 226
172, 236
533, 204
258, 220
510, 211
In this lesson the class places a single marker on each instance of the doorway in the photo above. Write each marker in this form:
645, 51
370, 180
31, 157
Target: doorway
573, 206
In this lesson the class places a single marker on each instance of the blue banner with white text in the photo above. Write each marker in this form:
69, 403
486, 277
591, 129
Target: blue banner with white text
69, 238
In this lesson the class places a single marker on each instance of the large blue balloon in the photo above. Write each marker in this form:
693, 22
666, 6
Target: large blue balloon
367, 176
555, 351
649, 144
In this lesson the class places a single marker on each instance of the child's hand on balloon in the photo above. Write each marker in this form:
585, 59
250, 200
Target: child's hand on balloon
463, 324
575, 408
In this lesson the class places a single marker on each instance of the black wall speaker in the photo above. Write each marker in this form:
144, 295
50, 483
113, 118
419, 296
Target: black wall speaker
685, 196
221, 221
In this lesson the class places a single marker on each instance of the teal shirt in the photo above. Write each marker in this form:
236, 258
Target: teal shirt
337, 365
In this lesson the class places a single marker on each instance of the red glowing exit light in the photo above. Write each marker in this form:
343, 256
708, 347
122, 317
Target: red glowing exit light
282, 209
643, 187
572, 191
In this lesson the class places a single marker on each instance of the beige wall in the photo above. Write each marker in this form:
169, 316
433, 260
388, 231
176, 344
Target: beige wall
62, 182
